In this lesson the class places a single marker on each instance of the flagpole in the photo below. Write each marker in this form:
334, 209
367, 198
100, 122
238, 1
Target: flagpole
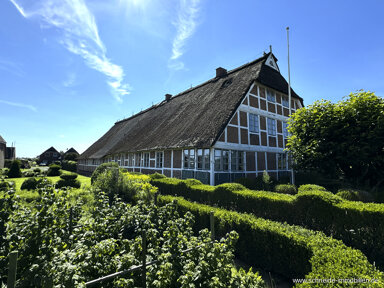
290, 99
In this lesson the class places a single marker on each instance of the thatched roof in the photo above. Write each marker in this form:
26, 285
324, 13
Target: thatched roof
193, 118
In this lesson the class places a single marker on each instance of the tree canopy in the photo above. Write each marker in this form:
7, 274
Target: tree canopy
343, 139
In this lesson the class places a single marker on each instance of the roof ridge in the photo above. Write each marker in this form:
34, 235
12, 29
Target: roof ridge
265, 56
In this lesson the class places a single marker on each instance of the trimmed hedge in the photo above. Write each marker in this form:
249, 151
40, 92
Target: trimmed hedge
360, 225
292, 251
54, 170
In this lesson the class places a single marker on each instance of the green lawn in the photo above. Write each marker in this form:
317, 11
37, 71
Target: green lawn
85, 181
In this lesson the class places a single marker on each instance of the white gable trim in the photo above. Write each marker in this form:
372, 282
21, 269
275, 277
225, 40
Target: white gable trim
271, 62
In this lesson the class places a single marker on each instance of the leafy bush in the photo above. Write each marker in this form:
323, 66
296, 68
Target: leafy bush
76, 246
311, 187
71, 176
101, 168
14, 170
4, 185
28, 173
37, 170
355, 195
69, 165
29, 184
130, 187
289, 250
157, 176
54, 170
4, 171
286, 189
68, 183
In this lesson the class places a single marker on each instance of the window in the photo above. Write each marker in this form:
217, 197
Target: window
189, 159
271, 126
285, 101
54, 154
253, 123
131, 159
146, 159
282, 161
271, 96
285, 129
237, 160
203, 159
159, 159
221, 160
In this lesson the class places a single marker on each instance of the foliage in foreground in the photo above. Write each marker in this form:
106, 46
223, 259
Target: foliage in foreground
107, 238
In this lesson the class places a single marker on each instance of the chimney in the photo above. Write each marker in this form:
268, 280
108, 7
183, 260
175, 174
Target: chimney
221, 72
168, 97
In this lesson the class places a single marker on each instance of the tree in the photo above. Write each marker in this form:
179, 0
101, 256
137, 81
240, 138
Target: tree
14, 170
71, 156
343, 139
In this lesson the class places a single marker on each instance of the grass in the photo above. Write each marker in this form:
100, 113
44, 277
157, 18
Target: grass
85, 181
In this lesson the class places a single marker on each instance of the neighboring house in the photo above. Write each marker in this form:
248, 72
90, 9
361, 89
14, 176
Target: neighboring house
3, 149
6, 153
233, 125
71, 150
49, 156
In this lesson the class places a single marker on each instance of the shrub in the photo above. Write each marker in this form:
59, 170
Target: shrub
4, 186
286, 189
14, 170
37, 170
54, 170
157, 176
68, 183
355, 195
4, 171
69, 165
311, 187
130, 187
101, 168
71, 176
28, 173
29, 184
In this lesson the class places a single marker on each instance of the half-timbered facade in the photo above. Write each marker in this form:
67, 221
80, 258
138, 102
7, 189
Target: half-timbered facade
233, 125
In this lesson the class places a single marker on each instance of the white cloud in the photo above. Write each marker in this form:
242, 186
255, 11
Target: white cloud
70, 81
186, 25
79, 35
30, 107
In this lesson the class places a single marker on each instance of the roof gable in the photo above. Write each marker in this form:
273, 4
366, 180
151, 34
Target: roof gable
2, 140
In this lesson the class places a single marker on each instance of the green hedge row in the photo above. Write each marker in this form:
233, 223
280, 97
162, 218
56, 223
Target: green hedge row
292, 251
360, 225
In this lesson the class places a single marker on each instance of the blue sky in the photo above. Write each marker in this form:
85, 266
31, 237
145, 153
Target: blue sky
69, 69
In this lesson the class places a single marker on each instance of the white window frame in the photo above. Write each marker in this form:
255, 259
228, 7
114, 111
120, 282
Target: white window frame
159, 159
237, 160
189, 159
203, 159
285, 101
146, 159
271, 96
254, 123
221, 161
271, 126
285, 130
